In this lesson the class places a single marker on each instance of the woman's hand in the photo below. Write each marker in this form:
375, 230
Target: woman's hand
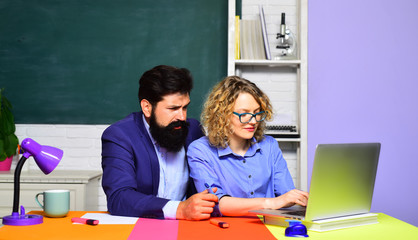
288, 199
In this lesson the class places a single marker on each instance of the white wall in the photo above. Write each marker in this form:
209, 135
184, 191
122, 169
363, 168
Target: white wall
81, 145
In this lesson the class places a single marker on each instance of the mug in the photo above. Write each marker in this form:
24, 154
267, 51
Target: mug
56, 202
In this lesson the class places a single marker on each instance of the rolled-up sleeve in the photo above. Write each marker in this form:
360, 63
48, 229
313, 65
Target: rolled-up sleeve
200, 157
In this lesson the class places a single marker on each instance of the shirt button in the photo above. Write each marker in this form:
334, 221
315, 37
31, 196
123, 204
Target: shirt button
244, 161
249, 176
252, 193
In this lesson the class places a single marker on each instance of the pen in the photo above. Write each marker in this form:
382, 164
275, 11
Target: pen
219, 223
216, 212
209, 188
85, 221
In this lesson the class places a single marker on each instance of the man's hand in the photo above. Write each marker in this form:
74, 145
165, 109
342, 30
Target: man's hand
197, 207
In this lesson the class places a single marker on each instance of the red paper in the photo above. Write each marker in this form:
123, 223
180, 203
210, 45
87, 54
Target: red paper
239, 228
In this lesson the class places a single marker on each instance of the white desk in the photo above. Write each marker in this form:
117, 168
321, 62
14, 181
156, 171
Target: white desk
83, 186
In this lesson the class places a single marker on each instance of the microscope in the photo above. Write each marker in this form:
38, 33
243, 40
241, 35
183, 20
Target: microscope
287, 41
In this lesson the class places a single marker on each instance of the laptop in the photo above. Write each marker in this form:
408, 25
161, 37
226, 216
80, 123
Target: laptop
342, 183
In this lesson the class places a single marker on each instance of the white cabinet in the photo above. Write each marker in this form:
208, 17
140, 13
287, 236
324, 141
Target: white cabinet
83, 186
284, 81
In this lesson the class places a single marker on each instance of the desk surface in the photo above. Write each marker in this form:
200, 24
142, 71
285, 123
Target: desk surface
240, 228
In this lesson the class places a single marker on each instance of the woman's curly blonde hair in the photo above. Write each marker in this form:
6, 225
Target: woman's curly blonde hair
219, 106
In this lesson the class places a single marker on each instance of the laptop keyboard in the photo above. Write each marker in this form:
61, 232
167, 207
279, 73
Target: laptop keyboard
297, 213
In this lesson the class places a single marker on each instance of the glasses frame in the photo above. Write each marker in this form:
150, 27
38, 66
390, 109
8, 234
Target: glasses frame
253, 115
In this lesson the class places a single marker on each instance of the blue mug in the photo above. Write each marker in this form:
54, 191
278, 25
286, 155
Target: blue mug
56, 203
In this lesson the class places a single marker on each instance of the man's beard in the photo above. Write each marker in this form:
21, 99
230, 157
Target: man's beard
169, 137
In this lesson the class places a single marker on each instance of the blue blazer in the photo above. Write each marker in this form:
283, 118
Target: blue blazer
131, 171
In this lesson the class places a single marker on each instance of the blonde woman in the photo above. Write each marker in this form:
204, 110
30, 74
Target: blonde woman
246, 166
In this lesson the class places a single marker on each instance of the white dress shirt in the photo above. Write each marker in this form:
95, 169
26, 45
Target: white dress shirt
174, 176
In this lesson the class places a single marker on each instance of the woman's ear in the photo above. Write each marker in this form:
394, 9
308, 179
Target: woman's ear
146, 108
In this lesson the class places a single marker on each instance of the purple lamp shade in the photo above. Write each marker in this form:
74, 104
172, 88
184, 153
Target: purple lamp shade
46, 157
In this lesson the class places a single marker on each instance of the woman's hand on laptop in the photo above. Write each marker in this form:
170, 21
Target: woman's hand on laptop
295, 196
288, 199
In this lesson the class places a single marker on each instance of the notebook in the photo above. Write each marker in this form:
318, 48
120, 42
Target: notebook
342, 183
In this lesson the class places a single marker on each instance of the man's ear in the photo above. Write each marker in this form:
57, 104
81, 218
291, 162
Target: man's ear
146, 108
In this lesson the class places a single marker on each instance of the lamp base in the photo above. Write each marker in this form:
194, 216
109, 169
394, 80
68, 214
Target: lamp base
22, 220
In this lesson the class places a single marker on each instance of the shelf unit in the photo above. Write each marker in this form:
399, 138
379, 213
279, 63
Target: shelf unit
284, 81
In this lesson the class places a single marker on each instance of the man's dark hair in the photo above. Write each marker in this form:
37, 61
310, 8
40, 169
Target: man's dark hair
162, 80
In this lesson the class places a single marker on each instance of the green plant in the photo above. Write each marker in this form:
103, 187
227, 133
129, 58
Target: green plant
8, 140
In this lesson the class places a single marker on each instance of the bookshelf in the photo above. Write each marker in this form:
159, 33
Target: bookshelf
283, 79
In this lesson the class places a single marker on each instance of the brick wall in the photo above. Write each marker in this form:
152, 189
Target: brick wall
273, 10
81, 145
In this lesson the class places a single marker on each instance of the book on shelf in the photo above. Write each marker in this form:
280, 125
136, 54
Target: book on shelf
252, 46
237, 38
327, 224
259, 43
264, 30
245, 42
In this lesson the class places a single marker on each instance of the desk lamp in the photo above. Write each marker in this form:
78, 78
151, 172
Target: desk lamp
47, 159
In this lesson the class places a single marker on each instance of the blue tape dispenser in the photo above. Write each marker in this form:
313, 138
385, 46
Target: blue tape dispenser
296, 229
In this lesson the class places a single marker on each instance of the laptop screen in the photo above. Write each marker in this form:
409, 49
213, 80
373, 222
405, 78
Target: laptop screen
342, 181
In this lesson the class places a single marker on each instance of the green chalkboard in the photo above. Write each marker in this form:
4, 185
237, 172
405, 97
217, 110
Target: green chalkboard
79, 61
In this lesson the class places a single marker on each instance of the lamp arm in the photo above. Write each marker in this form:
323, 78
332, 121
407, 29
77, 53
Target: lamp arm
16, 193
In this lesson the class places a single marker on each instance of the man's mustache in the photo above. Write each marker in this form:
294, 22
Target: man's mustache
175, 125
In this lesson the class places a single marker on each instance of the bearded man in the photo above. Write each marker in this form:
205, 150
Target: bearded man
145, 171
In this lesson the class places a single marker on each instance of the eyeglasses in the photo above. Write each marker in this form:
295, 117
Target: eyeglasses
247, 117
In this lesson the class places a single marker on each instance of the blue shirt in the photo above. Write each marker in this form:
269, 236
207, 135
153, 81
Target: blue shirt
174, 176
261, 173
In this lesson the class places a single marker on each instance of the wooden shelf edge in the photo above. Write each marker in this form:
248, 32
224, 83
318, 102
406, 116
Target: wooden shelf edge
272, 63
